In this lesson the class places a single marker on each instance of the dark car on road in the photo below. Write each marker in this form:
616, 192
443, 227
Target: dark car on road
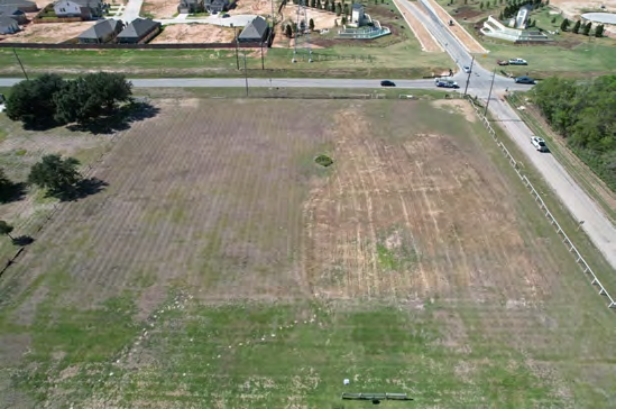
387, 83
446, 84
524, 80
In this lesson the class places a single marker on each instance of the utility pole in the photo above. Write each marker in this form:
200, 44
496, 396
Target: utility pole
490, 92
469, 76
238, 67
246, 81
20, 65
262, 53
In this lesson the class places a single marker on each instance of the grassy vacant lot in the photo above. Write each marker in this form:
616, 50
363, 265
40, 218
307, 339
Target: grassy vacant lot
570, 55
395, 56
223, 268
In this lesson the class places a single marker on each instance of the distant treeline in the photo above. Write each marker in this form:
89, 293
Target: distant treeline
585, 115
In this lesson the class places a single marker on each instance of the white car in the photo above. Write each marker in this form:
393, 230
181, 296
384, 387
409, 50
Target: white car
539, 144
467, 69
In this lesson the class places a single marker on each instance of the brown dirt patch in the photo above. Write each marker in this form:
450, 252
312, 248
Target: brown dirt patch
432, 189
322, 19
460, 32
161, 9
259, 7
427, 41
460, 106
573, 8
194, 33
48, 33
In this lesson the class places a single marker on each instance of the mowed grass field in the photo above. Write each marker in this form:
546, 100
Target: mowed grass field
223, 268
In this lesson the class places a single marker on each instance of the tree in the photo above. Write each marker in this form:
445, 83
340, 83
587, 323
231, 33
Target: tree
311, 24
338, 9
576, 27
466, 1
565, 24
90, 97
494, 3
332, 6
553, 20
533, 23
501, 16
6, 187
288, 31
346, 10
32, 103
586, 29
6, 228
59, 177
313, 4
344, 20
481, 5
584, 115
599, 30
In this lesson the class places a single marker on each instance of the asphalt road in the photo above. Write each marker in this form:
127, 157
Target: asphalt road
601, 230
281, 82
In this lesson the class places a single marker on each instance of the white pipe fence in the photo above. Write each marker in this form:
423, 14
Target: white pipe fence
538, 199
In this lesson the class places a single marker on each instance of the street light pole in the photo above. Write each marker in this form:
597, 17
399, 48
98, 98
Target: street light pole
469, 76
490, 92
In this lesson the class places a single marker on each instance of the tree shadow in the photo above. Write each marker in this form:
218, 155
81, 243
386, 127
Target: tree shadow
40, 124
12, 192
118, 119
84, 188
22, 240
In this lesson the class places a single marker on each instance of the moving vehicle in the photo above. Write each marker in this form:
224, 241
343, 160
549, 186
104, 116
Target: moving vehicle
524, 80
539, 144
518, 62
466, 69
446, 83
387, 83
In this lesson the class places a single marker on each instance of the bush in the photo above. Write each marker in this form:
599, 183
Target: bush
323, 160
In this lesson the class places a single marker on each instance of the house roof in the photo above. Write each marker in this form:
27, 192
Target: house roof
254, 29
6, 21
10, 11
17, 3
100, 30
87, 3
138, 28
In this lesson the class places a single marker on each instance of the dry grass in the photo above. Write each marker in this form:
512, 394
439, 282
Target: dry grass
161, 9
412, 261
48, 33
195, 33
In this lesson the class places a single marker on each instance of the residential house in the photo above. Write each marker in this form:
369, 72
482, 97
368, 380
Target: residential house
358, 15
102, 32
255, 31
139, 31
8, 25
14, 13
216, 6
86, 9
190, 6
23, 5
